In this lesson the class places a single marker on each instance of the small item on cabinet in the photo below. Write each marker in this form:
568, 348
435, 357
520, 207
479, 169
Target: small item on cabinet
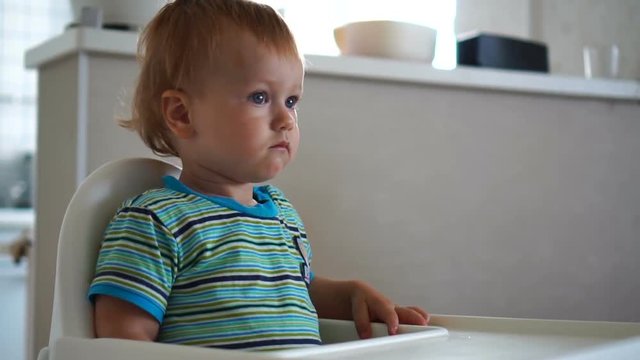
128, 15
601, 61
497, 51
91, 16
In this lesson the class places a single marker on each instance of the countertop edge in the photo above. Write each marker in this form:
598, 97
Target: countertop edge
469, 77
74, 40
124, 43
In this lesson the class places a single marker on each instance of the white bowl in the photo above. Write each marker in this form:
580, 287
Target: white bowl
387, 39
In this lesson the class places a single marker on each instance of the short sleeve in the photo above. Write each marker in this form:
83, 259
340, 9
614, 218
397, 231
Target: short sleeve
137, 262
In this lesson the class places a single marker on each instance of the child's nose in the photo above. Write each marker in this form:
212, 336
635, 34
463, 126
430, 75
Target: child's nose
284, 120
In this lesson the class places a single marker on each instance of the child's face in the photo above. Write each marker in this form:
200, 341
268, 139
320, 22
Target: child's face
246, 125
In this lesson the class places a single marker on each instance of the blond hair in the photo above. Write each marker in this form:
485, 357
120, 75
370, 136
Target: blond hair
181, 42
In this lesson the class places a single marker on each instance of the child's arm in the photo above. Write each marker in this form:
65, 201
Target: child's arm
357, 301
115, 318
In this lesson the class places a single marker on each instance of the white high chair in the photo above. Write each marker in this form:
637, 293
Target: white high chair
88, 213
86, 217
72, 336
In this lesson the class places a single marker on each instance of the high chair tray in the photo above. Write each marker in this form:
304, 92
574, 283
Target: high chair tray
468, 338
341, 336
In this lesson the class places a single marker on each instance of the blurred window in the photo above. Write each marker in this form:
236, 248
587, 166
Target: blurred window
23, 25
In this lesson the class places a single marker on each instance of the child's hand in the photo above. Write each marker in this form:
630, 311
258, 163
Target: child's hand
357, 301
368, 304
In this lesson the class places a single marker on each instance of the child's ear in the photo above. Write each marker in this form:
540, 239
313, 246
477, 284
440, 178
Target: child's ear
175, 110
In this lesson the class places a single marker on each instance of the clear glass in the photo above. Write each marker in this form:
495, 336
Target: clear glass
601, 61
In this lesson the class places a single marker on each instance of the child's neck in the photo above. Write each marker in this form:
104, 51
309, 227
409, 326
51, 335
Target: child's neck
219, 186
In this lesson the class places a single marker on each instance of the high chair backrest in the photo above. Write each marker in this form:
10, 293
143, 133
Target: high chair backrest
90, 210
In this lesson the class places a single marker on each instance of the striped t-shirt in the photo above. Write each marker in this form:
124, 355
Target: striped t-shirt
210, 270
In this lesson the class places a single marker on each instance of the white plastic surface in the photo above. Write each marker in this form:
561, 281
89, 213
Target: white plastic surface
341, 331
90, 210
469, 338
339, 336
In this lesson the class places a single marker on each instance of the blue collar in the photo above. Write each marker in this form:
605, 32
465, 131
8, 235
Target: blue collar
265, 208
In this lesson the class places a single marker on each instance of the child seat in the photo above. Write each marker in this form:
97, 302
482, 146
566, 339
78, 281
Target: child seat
88, 213
90, 210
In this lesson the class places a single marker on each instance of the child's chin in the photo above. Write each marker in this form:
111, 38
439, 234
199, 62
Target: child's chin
271, 171
262, 176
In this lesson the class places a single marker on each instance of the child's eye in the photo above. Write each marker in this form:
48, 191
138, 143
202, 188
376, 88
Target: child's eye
291, 102
259, 97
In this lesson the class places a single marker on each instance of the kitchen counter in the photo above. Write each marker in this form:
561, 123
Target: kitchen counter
124, 43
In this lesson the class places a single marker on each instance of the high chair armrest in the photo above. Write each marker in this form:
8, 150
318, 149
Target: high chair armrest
339, 336
69, 348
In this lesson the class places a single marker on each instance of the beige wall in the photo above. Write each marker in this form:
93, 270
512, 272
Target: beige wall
506, 17
471, 201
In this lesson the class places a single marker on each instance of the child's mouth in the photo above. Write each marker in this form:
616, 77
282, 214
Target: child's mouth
283, 145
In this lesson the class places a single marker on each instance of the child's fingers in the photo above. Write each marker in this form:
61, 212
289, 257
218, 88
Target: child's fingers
421, 311
410, 316
361, 319
393, 322
386, 313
